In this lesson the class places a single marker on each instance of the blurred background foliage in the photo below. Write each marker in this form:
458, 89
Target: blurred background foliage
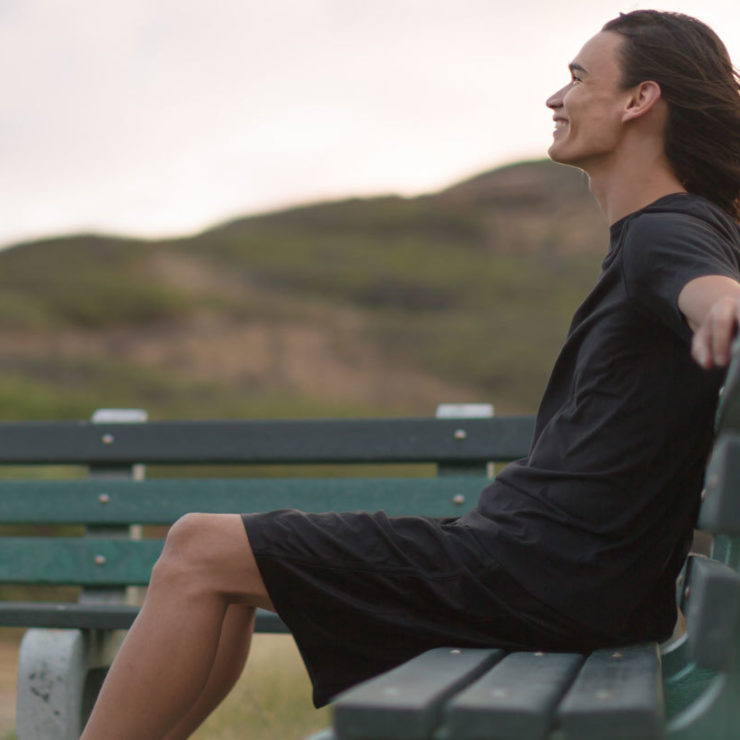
360, 307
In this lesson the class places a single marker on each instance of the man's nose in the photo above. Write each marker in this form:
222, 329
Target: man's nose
556, 99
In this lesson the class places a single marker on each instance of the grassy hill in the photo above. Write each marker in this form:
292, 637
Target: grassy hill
372, 306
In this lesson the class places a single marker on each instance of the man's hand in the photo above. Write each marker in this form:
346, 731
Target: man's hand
711, 306
711, 343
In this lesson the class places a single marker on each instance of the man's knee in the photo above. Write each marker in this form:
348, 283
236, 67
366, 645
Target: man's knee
179, 560
187, 535
211, 551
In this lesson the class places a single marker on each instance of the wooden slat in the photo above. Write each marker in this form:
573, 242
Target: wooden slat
713, 614
96, 616
161, 501
265, 442
516, 698
408, 702
728, 410
618, 695
77, 560
720, 510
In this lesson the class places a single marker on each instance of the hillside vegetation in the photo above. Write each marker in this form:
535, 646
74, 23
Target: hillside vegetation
378, 306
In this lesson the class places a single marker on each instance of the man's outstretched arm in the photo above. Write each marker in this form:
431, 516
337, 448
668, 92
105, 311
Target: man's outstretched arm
711, 306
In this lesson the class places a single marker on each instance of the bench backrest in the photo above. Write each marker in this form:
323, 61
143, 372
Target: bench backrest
700, 669
454, 455
712, 593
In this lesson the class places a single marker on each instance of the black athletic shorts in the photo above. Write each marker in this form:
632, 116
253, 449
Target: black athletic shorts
362, 593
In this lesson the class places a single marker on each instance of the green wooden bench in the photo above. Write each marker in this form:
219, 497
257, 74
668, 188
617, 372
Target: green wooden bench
443, 465
688, 688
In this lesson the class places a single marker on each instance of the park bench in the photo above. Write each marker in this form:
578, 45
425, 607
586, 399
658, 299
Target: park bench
687, 688
75, 495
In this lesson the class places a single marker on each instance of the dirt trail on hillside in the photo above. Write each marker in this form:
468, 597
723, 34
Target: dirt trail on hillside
331, 363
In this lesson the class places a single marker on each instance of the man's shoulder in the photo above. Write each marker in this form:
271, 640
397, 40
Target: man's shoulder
676, 239
682, 217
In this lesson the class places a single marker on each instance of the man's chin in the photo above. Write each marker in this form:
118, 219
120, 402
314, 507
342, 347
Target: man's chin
552, 152
561, 158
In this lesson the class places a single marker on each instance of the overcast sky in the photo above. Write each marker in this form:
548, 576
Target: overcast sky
163, 117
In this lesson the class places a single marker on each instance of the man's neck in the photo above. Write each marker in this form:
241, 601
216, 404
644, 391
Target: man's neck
625, 187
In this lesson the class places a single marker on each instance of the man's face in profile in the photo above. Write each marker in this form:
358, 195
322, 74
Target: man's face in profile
588, 110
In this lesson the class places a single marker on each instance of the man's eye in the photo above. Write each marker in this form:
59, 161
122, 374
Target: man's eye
575, 78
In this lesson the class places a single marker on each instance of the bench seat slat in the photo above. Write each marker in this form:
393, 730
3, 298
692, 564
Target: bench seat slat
407, 702
516, 698
77, 560
268, 441
96, 616
618, 694
162, 501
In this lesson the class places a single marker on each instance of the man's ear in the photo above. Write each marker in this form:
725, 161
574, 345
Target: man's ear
643, 98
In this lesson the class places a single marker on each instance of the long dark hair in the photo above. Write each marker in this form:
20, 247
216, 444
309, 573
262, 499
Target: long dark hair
702, 89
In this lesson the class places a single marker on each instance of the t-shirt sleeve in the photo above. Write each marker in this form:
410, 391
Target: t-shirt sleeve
662, 254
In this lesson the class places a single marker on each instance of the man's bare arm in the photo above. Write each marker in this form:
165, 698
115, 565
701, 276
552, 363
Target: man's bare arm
711, 306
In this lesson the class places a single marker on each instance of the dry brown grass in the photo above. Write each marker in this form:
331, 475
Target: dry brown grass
272, 700
9, 641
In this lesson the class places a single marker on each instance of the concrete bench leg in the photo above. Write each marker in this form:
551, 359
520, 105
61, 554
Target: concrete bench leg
59, 675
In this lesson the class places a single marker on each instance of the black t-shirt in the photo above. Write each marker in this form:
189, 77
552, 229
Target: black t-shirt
597, 520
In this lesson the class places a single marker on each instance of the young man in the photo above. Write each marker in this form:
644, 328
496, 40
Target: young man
574, 547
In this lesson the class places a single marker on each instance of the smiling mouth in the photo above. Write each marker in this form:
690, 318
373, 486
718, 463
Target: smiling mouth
560, 123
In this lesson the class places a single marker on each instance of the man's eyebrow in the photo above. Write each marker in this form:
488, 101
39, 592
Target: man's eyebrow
575, 67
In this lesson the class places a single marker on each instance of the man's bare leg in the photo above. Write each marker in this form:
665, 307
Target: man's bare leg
168, 655
231, 655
